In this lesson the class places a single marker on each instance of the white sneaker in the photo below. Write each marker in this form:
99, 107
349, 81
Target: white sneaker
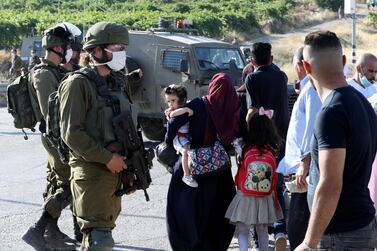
189, 180
280, 242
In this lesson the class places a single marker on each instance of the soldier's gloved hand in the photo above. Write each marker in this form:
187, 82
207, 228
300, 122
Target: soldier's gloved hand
116, 164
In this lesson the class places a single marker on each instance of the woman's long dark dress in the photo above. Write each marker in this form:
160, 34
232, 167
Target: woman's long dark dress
195, 216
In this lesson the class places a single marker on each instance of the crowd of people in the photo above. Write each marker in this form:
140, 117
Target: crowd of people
326, 148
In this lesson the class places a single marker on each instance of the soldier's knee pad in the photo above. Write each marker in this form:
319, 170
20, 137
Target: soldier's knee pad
101, 239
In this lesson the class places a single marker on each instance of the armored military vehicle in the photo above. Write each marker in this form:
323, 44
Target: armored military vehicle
176, 56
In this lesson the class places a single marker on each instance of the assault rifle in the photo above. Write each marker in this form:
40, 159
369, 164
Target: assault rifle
138, 159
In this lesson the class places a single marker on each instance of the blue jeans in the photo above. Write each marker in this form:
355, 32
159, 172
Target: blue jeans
363, 239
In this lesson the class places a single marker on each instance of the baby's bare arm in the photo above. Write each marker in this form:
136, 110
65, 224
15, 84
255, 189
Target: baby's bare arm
181, 111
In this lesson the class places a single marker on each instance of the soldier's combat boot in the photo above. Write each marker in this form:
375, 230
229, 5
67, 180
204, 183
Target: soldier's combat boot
98, 239
34, 235
101, 239
76, 230
56, 239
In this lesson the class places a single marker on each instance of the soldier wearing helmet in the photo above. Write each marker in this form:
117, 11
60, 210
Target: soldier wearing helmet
74, 63
46, 77
89, 99
17, 65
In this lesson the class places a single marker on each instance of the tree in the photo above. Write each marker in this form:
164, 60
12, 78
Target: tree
329, 4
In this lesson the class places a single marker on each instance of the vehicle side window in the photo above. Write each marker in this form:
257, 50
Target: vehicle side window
37, 45
172, 59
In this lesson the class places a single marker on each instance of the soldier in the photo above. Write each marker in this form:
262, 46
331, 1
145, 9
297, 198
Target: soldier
76, 46
75, 60
34, 59
87, 106
46, 78
17, 65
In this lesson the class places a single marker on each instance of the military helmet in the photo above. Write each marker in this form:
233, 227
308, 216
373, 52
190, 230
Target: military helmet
55, 36
105, 33
76, 45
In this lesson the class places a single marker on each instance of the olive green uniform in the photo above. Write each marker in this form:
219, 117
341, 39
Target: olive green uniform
45, 81
34, 60
86, 128
17, 66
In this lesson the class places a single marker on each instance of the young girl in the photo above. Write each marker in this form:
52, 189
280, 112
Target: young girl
255, 203
176, 97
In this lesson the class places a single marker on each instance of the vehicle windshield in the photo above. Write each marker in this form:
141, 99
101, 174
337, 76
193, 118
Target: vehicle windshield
218, 58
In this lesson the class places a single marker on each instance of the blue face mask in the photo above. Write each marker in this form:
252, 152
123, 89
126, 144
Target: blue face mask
365, 82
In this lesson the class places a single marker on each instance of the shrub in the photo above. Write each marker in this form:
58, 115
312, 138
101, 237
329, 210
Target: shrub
181, 8
236, 22
207, 23
329, 4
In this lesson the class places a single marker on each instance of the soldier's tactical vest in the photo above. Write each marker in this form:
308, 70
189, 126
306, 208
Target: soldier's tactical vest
108, 99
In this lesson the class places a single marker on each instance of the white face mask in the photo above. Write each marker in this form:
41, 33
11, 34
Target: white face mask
364, 81
68, 55
118, 62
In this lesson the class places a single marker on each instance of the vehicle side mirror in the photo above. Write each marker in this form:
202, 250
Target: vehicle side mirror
184, 66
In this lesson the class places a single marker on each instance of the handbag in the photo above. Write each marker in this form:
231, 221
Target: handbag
206, 161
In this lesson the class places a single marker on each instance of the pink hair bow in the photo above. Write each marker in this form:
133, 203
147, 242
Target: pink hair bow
268, 113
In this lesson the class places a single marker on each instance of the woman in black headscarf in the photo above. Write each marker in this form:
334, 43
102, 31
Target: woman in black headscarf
195, 216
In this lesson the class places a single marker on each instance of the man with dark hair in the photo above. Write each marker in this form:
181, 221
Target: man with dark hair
261, 53
17, 65
267, 87
343, 149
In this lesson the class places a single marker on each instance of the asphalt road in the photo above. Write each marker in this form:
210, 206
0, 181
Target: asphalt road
140, 226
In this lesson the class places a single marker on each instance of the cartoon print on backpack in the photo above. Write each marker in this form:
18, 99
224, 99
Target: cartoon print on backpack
258, 177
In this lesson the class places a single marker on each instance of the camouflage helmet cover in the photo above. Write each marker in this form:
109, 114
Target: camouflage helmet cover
105, 33
55, 36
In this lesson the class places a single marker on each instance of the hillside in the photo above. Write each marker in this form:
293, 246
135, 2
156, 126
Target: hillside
215, 18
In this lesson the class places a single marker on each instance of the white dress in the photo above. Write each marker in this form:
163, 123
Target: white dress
182, 138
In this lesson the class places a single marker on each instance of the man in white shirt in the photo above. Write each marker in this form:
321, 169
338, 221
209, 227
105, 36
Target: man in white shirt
365, 73
368, 61
297, 151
